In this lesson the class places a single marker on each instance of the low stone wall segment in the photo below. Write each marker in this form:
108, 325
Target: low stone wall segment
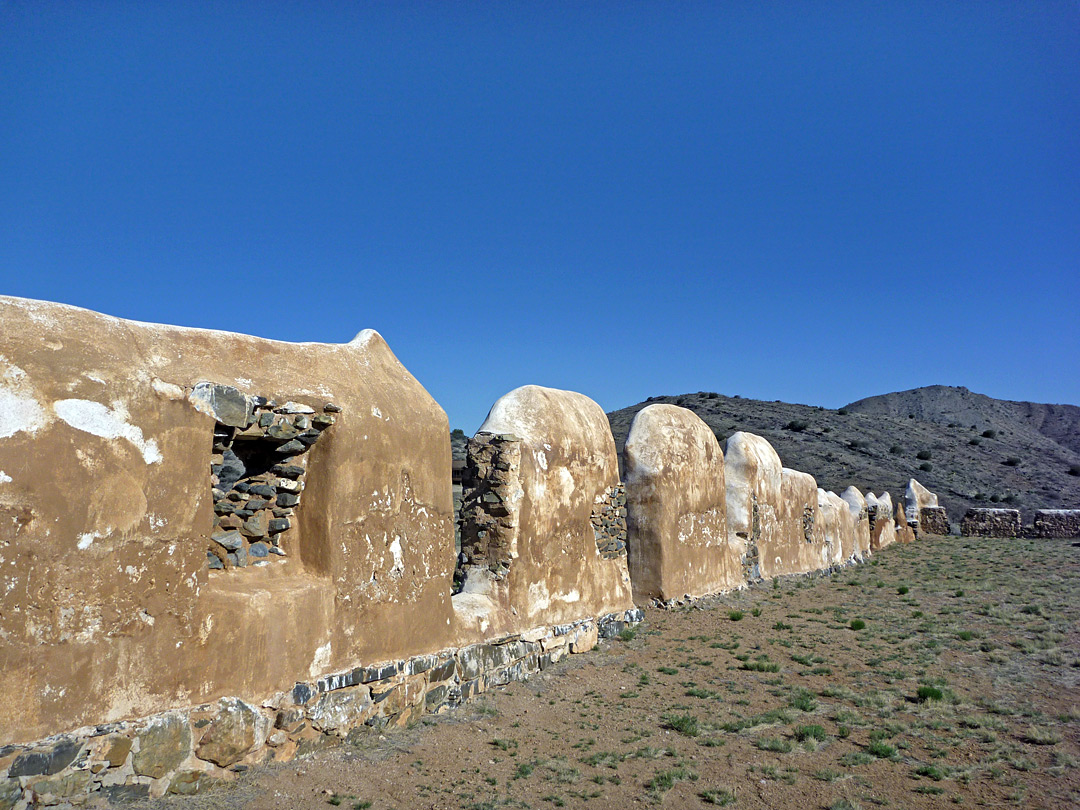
1056, 523
991, 523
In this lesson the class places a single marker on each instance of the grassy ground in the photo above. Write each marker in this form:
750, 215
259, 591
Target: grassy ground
945, 673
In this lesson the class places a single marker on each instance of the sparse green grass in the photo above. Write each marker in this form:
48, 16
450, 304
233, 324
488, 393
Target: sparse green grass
857, 624
881, 749
776, 744
683, 723
736, 615
811, 732
665, 780
721, 797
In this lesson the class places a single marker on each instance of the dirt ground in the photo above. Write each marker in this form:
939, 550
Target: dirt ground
942, 673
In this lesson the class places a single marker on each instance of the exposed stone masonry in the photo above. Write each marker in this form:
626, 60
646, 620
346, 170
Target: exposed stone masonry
991, 523
933, 520
750, 560
490, 491
808, 523
184, 751
609, 522
1055, 523
257, 473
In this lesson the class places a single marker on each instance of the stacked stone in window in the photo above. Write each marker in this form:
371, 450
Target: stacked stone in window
257, 477
609, 523
488, 522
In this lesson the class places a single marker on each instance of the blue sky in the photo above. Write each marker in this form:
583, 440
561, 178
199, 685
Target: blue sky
812, 202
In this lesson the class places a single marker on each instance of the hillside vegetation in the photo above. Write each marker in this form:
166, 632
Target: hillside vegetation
971, 449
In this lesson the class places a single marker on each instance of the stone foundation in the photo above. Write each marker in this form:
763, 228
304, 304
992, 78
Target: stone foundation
1056, 523
991, 523
184, 751
933, 520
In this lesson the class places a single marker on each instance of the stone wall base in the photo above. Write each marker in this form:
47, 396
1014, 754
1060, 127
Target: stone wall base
184, 751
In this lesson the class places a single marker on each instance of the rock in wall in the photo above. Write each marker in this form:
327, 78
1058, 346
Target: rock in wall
856, 504
554, 566
675, 501
752, 476
109, 609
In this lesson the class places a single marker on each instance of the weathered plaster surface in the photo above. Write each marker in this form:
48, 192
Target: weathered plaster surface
752, 476
676, 514
107, 609
856, 504
567, 465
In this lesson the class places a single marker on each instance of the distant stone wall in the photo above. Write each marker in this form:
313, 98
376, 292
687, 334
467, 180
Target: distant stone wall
1056, 523
934, 520
991, 523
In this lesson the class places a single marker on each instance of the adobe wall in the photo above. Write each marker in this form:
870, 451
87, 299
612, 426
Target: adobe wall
882, 524
752, 476
838, 525
217, 549
550, 463
922, 510
856, 504
800, 545
675, 501
109, 609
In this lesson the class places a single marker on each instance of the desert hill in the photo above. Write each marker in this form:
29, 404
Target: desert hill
971, 449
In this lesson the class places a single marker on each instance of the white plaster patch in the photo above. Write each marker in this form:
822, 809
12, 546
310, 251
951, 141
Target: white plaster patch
399, 560
376, 412
321, 660
87, 539
95, 378
4, 478
19, 412
99, 420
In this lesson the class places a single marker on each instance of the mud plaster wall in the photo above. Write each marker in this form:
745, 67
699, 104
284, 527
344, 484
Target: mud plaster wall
107, 607
882, 524
801, 544
676, 514
568, 467
856, 504
752, 481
